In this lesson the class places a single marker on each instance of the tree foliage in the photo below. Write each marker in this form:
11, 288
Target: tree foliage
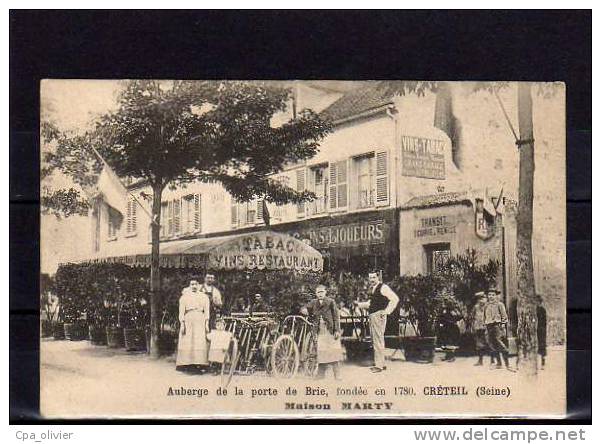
209, 131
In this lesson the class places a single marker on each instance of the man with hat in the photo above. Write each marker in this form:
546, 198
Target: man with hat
495, 318
479, 327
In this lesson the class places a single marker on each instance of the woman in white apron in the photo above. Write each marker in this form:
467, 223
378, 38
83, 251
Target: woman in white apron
192, 347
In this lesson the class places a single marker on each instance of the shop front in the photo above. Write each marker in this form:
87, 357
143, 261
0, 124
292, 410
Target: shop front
354, 243
434, 228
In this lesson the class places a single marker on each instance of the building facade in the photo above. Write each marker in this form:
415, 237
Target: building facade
400, 183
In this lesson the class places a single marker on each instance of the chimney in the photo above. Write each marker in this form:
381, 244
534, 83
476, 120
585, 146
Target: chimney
446, 121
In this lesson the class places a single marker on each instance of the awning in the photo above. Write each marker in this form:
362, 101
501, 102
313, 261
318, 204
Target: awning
265, 250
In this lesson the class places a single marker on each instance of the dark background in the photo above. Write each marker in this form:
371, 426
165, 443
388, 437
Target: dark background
353, 45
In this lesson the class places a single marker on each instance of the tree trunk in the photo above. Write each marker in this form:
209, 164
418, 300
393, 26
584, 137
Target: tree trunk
526, 305
156, 303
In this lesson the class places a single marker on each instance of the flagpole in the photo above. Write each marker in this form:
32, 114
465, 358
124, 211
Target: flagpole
106, 165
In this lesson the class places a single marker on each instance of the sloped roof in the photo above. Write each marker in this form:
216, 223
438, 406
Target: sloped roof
437, 200
372, 95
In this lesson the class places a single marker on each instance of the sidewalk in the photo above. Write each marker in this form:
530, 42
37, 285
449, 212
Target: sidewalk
81, 380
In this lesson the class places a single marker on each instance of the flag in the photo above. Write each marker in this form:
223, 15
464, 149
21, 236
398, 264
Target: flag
499, 205
265, 211
488, 205
112, 190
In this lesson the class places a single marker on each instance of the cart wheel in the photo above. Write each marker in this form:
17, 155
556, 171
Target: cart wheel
284, 357
309, 356
230, 362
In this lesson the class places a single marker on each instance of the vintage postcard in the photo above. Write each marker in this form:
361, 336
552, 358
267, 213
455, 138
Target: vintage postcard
297, 249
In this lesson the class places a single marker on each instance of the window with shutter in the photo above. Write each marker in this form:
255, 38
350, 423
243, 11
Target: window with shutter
176, 216
382, 187
251, 212
234, 218
259, 210
128, 218
300, 187
164, 219
114, 220
170, 218
131, 219
197, 202
364, 187
134, 217
341, 184
333, 193
317, 182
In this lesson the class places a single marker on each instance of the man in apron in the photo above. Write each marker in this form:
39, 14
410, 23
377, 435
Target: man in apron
323, 314
382, 302
214, 295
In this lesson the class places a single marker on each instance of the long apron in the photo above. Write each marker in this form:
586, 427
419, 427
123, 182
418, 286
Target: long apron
328, 349
193, 348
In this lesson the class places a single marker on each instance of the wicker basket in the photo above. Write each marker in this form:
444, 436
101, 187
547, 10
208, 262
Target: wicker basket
114, 337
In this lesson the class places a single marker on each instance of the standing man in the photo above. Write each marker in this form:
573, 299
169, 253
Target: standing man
495, 318
479, 327
382, 302
214, 295
323, 314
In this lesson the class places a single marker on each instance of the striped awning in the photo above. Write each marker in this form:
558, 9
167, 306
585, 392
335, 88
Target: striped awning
264, 250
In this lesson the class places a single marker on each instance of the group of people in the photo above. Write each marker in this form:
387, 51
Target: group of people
489, 324
199, 305
203, 339
324, 314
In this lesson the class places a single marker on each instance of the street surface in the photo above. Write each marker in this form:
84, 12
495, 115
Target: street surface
81, 380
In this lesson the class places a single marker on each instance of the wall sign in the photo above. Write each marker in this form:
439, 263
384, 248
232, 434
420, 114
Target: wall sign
435, 226
359, 233
422, 157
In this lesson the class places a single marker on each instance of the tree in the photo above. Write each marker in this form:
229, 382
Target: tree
526, 307
176, 132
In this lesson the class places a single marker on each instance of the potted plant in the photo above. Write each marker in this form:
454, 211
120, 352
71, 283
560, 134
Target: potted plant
98, 314
421, 303
464, 275
73, 307
114, 330
136, 321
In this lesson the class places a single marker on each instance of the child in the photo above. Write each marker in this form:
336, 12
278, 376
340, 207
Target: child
220, 341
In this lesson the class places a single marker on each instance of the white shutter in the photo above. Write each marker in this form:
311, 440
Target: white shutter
342, 184
259, 210
235, 219
170, 218
197, 203
382, 187
128, 217
300, 187
164, 219
332, 186
177, 205
131, 216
